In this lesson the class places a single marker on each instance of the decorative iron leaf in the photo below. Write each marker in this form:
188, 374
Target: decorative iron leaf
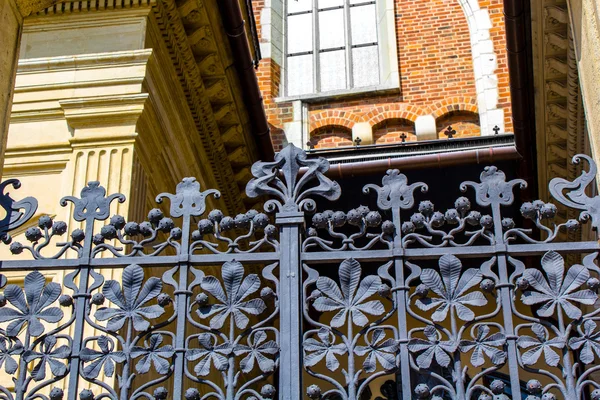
131, 300
153, 355
315, 350
237, 289
209, 354
257, 350
48, 356
104, 359
8, 349
556, 291
350, 299
39, 298
451, 286
589, 342
539, 345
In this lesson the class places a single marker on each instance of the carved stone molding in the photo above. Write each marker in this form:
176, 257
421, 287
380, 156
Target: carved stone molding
558, 100
199, 54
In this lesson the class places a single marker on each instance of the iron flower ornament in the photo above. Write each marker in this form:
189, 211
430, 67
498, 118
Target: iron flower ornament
292, 193
258, 350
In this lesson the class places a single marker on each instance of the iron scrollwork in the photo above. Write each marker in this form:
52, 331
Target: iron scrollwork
396, 299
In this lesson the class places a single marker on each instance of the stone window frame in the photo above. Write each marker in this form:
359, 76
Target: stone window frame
485, 64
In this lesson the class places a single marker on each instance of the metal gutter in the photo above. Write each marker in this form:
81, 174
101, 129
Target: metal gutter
234, 23
438, 160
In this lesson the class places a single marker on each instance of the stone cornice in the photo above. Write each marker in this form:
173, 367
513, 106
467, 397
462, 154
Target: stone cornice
184, 58
103, 111
84, 61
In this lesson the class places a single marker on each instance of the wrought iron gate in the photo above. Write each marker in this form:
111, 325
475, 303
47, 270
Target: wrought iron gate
390, 303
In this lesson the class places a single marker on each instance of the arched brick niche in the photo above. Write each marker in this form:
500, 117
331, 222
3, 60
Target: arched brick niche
465, 123
331, 136
391, 130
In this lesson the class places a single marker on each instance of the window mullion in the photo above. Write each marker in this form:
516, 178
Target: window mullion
349, 72
316, 52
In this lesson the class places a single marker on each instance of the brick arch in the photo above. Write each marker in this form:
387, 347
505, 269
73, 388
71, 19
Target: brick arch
329, 136
393, 111
465, 123
442, 107
390, 131
325, 118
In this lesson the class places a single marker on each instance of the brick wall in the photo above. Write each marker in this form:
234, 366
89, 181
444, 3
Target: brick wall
436, 76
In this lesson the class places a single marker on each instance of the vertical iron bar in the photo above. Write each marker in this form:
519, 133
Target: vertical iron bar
348, 24
80, 308
401, 304
290, 306
505, 299
316, 48
181, 297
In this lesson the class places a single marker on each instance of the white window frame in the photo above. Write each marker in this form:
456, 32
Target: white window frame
387, 50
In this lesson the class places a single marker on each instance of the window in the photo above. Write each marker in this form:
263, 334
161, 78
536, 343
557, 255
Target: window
332, 45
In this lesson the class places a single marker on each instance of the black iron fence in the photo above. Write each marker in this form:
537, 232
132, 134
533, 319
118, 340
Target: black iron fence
401, 302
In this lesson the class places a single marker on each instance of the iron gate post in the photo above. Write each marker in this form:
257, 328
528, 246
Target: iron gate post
290, 371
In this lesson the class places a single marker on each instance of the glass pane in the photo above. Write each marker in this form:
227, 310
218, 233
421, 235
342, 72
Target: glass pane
363, 24
332, 69
300, 75
331, 29
294, 6
330, 3
300, 33
360, 1
365, 66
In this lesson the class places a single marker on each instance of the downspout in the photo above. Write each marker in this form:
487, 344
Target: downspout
518, 40
234, 24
